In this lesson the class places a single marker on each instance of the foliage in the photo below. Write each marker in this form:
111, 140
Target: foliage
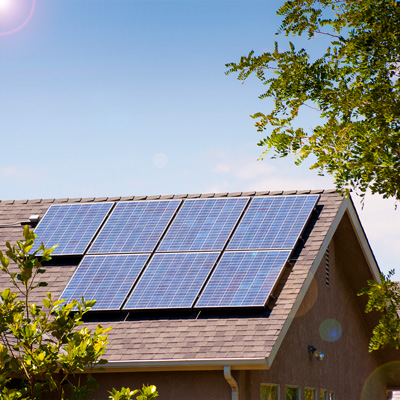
146, 393
43, 348
353, 87
384, 298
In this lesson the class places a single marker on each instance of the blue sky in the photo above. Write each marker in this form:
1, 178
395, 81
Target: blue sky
129, 97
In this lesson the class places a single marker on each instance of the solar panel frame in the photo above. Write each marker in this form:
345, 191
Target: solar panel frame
118, 272
240, 280
171, 281
252, 233
132, 227
184, 236
68, 241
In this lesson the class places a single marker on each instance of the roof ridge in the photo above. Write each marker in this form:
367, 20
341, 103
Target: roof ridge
171, 196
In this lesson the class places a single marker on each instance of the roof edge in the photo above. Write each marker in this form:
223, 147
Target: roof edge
347, 206
168, 196
183, 364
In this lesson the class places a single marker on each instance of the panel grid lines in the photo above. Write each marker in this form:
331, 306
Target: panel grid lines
203, 224
273, 223
243, 279
107, 279
71, 226
134, 227
171, 281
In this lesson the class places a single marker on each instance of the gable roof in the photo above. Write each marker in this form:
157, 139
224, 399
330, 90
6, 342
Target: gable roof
203, 342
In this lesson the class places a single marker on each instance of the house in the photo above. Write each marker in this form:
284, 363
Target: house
306, 337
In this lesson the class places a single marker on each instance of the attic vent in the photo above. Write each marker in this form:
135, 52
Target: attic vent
327, 267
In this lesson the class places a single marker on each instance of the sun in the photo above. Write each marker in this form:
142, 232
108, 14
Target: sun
5, 4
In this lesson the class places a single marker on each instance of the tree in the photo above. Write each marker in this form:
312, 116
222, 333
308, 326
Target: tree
354, 87
384, 297
44, 350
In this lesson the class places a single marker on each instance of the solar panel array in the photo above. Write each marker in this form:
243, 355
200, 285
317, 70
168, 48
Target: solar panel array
169, 254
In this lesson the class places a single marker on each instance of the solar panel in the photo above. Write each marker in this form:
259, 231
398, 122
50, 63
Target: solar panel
106, 279
134, 226
71, 226
243, 279
203, 224
273, 222
171, 280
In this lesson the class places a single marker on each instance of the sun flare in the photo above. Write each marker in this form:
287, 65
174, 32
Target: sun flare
5, 4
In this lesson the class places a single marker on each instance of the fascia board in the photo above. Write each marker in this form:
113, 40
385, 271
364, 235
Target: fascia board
346, 207
362, 240
317, 261
183, 365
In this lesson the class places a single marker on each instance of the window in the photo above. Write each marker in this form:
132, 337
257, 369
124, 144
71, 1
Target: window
269, 392
292, 393
323, 395
310, 394
331, 396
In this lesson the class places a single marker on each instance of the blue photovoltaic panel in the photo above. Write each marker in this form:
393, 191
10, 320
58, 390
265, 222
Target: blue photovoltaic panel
134, 226
203, 224
273, 222
171, 281
243, 279
106, 279
71, 226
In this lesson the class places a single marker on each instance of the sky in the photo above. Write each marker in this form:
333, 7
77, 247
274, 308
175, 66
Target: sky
130, 97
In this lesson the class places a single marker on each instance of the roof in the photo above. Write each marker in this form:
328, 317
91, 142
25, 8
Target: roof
203, 342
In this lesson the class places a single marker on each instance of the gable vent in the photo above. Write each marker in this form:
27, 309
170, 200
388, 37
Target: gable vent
327, 272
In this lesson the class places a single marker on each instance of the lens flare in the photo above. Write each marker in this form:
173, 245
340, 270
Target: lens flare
330, 330
14, 15
4, 5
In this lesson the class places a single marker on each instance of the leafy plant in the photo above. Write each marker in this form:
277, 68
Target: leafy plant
44, 349
353, 87
384, 297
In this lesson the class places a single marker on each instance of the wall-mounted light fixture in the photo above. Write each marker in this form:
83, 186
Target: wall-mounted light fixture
319, 355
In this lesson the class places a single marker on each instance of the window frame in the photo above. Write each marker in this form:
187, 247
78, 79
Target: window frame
293, 387
275, 385
315, 391
325, 393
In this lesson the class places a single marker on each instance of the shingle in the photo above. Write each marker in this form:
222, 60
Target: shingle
190, 338
115, 198
127, 198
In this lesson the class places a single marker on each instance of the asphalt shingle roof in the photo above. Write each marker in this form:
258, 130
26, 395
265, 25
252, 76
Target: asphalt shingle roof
188, 338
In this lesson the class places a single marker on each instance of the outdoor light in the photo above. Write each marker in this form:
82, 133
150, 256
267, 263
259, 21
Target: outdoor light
316, 353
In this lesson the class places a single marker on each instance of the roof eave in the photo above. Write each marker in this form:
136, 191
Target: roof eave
206, 364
